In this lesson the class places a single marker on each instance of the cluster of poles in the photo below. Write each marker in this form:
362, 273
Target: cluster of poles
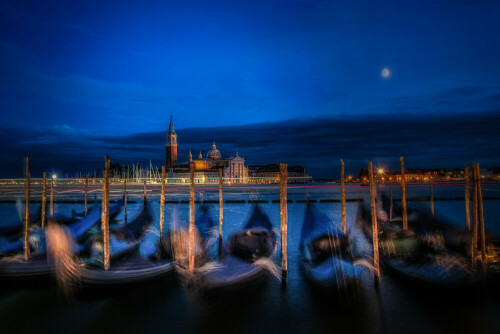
478, 230
283, 178
477, 210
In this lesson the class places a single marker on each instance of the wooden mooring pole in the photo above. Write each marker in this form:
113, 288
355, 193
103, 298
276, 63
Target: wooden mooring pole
403, 193
27, 213
191, 217
474, 216
86, 192
105, 212
162, 203
467, 198
283, 220
51, 196
480, 212
391, 207
342, 195
44, 198
145, 196
125, 197
432, 195
374, 222
221, 211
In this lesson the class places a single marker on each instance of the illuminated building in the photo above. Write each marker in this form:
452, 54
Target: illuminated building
233, 168
270, 174
171, 146
206, 169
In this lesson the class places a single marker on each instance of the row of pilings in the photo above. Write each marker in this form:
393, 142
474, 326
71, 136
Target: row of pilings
478, 240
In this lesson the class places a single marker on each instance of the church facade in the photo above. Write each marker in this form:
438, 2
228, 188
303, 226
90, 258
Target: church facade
207, 167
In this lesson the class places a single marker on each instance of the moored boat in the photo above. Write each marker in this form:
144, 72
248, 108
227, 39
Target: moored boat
80, 230
132, 259
326, 255
457, 239
114, 210
417, 254
38, 268
248, 257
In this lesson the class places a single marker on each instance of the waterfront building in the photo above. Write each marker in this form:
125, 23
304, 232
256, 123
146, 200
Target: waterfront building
207, 168
270, 174
233, 168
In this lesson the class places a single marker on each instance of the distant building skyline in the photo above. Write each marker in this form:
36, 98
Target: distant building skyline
318, 144
233, 168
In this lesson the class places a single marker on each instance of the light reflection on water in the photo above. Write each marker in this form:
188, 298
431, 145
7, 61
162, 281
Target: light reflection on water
395, 307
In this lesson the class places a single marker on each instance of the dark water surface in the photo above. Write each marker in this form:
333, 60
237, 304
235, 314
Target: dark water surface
170, 307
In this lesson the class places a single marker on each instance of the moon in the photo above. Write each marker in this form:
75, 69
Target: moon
386, 72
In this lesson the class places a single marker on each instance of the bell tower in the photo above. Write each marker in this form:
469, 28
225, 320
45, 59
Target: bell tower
171, 146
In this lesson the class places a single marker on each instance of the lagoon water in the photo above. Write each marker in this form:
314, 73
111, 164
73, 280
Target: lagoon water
395, 307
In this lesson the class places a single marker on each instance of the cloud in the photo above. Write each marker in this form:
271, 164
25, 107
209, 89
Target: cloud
317, 143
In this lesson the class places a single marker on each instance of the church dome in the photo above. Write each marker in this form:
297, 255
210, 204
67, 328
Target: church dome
214, 153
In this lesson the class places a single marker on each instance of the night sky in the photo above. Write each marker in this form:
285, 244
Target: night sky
304, 82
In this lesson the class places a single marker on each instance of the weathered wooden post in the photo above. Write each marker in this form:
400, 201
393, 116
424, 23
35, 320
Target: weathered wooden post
221, 211
391, 207
432, 195
283, 220
105, 212
52, 196
27, 213
474, 216
467, 198
342, 195
86, 192
162, 203
191, 216
44, 198
403, 193
145, 196
125, 197
480, 213
374, 222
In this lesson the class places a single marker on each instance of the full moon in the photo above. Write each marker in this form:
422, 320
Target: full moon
386, 72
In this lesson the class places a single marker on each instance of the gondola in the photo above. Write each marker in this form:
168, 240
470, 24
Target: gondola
79, 230
114, 210
130, 263
208, 234
14, 268
326, 256
11, 241
421, 221
417, 254
63, 219
457, 239
123, 238
204, 237
205, 224
247, 257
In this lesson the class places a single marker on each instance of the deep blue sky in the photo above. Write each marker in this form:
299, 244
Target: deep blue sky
298, 81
